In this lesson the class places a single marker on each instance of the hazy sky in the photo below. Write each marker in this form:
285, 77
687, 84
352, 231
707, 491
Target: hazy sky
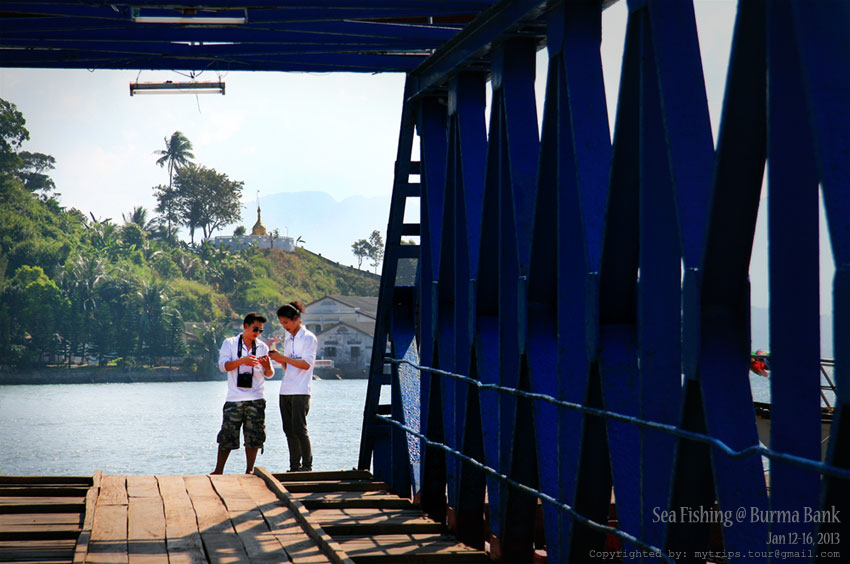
277, 132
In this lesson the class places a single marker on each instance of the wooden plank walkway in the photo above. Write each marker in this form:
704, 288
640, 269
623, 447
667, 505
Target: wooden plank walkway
299, 518
42, 518
367, 523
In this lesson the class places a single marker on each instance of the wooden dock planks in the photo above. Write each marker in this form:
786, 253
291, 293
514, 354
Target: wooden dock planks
130, 519
41, 517
366, 523
195, 520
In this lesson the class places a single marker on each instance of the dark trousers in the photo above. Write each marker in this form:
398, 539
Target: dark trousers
293, 412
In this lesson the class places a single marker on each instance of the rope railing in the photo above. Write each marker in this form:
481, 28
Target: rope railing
681, 433
656, 551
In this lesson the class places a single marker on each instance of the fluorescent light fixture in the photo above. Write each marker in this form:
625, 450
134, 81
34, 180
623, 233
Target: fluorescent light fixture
188, 17
170, 87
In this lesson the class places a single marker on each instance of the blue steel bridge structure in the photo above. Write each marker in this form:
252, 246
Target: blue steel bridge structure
579, 323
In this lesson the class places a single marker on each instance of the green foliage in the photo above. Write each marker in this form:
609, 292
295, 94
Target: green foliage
206, 199
77, 287
36, 309
13, 133
372, 248
196, 302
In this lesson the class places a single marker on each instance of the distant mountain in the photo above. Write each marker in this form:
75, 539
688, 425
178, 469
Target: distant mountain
327, 226
760, 327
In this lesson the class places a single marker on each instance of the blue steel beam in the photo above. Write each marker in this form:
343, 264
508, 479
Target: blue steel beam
467, 153
716, 304
820, 32
605, 302
336, 62
516, 155
618, 340
473, 41
433, 142
792, 222
571, 198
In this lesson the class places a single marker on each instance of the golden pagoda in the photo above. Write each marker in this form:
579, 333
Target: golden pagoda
259, 229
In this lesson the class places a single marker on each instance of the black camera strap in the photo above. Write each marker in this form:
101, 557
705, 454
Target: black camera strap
239, 348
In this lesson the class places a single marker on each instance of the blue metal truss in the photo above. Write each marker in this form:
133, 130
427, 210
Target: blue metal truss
354, 36
615, 275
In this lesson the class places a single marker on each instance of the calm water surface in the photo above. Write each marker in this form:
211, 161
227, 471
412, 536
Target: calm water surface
160, 428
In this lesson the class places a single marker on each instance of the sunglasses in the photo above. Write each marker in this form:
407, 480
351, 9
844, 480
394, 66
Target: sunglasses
257, 330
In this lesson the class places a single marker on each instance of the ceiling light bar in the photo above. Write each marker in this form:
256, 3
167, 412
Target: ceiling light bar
189, 17
170, 87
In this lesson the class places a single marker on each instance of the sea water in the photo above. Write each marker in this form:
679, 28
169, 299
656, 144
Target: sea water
161, 428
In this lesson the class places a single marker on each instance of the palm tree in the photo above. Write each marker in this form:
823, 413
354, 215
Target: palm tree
177, 153
139, 216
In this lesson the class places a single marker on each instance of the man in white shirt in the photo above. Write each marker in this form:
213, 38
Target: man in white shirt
246, 361
298, 358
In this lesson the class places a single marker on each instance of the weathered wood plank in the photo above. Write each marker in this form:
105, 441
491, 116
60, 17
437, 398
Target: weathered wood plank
25, 520
81, 480
223, 548
247, 519
324, 475
113, 490
182, 537
217, 532
37, 551
108, 542
332, 550
409, 549
283, 524
146, 530
142, 486
211, 512
340, 500
42, 491
81, 549
337, 486
370, 521
7, 502
230, 490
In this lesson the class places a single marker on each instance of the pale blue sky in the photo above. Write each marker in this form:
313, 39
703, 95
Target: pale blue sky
279, 132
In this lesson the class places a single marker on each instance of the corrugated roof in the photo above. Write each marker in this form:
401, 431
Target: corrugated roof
365, 327
367, 305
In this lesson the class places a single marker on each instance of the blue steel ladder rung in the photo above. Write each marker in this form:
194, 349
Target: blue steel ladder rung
411, 190
410, 229
413, 166
407, 251
379, 448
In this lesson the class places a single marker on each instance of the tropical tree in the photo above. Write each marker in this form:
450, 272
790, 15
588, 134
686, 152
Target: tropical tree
177, 154
37, 308
139, 216
152, 295
206, 199
361, 249
13, 133
376, 253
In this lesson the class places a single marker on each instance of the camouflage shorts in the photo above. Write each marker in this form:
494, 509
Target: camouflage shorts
235, 413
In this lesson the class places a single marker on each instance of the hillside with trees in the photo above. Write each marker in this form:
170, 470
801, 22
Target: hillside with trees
131, 294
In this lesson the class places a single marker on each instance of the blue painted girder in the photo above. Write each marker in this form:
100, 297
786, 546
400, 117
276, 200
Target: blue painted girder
568, 227
354, 36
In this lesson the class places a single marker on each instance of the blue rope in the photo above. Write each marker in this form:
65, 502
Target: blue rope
698, 437
547, 498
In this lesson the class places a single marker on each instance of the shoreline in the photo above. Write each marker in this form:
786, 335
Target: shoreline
48, 376
104, 376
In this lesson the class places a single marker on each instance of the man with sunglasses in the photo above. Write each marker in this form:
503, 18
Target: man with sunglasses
245, 358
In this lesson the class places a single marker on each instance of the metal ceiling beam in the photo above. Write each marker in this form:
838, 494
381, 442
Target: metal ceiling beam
473, 41
338, 62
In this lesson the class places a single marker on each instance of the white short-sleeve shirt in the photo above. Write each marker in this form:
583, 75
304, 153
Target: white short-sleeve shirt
229, 351
302, 346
